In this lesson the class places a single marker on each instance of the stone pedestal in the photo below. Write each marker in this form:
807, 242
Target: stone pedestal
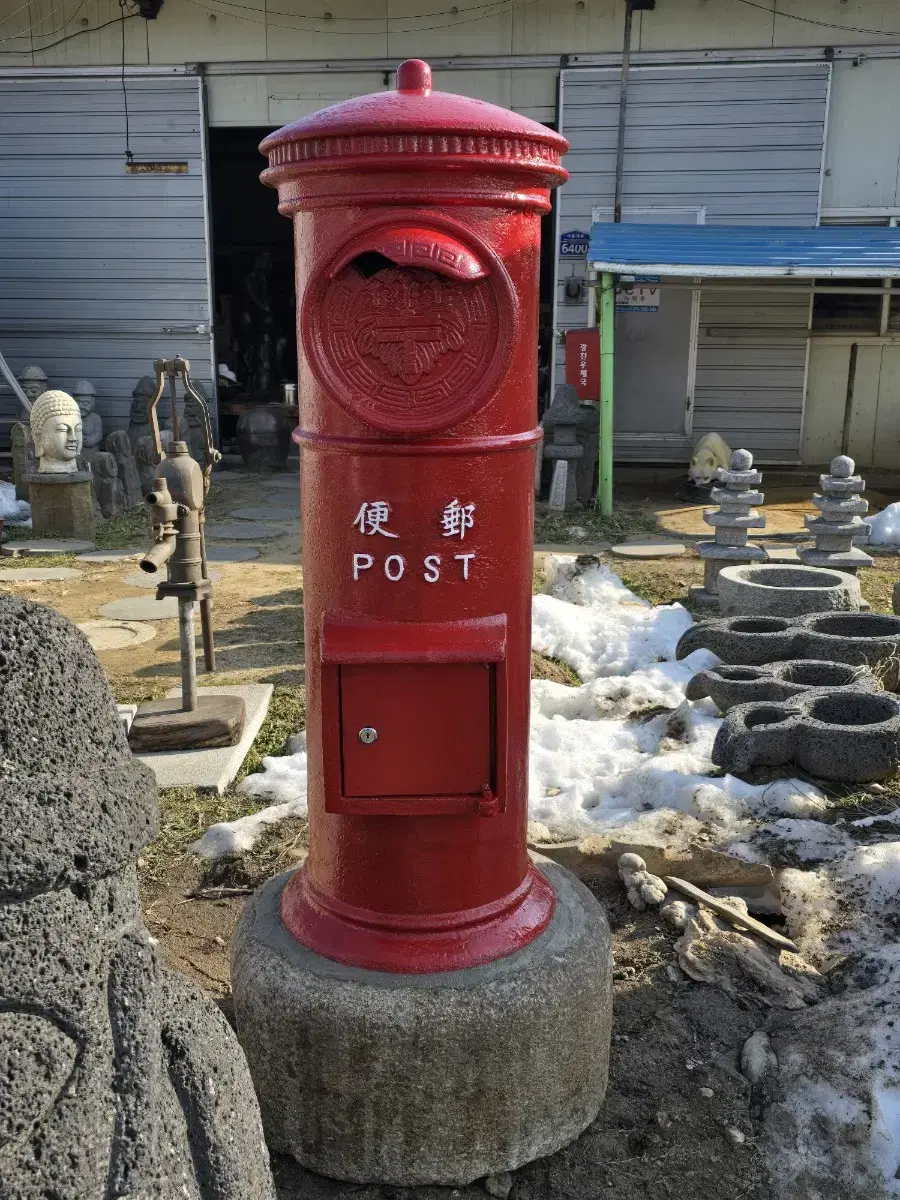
735, 515
62, 506
841, 522
426, 1079
563, 416
586, 435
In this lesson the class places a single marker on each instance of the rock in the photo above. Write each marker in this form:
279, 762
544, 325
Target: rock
127, 1081
712, 953
707, 1093
648, 547
735, 1136
677, 912
757, 1057
643, 889
499, 1185
296, 743
599, 856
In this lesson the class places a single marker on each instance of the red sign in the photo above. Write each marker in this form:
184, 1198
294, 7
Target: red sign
583, 362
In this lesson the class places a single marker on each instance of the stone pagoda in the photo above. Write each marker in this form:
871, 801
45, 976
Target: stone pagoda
735, 515
840, 525
563, 416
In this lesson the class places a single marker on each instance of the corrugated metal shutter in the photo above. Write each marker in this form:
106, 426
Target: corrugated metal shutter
97, 263
746, 143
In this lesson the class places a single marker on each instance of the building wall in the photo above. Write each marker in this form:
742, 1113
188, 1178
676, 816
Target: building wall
266, 64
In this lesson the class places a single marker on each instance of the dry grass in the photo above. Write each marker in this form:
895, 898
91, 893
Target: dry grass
626, 520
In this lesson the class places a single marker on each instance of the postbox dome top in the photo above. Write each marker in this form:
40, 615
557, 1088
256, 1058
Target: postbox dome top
415, 120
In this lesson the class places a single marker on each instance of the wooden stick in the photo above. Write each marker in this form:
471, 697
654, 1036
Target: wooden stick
722, 909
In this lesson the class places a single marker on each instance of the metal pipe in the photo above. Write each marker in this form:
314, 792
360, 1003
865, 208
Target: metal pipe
607, 362
6, 371
209, 645
623, 107
158, 555
188, 655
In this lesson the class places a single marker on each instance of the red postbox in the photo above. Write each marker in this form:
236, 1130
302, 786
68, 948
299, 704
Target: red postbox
419, 1003
417, 229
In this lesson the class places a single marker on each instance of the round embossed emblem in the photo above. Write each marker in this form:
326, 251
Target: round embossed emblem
407, 349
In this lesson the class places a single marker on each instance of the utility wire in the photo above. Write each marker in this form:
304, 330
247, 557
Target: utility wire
773, 12
25, 32
499, 9
129, 157
447, 12
69, 36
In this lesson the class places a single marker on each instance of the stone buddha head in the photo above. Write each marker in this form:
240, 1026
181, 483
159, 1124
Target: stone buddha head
57, 432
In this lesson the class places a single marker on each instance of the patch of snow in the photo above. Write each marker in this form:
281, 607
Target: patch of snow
13, 511
282, 779
885, 526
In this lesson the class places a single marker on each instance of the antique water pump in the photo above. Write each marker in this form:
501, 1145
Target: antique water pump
177, 506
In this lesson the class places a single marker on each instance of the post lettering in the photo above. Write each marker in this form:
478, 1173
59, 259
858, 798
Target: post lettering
394, 566
464, 559
432, 568
361, 562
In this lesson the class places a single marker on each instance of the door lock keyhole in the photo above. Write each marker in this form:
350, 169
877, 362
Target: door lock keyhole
367, 735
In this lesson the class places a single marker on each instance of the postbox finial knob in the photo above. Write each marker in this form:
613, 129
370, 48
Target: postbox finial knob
414, 75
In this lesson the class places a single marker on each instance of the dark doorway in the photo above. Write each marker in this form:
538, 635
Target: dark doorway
253, 269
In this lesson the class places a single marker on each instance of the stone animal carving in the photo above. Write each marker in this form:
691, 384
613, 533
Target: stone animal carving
57, 432
710, 453
117, 1077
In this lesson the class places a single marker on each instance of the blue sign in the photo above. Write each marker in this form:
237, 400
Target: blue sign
574, 244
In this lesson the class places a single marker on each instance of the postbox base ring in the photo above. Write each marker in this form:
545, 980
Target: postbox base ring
426, 1079
408, 944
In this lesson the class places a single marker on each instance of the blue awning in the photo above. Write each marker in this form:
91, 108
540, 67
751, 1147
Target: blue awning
746, 251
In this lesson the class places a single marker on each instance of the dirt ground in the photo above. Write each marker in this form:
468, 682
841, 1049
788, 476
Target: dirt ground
660, 1133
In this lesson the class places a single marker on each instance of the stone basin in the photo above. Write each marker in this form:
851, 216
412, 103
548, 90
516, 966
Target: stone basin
785, 590
730, 685
847, 735
860, 639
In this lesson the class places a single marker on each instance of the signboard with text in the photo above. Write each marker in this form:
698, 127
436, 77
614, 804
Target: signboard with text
583, 362
574, 244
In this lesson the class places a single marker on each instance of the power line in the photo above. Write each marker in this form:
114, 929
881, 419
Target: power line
70, 36
773, 12
448, 12
500, 8
31, 28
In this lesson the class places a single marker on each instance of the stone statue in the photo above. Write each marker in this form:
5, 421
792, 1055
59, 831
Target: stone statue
139, 422
56, 429
120, 1078
34, 382
146, 457
118, 445
107, 485
24, 462
92, 423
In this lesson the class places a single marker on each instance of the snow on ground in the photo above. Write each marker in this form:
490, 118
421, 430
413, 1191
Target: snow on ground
13, 511
885, 526
626, 752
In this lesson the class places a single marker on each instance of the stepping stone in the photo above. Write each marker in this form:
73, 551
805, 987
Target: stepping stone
46, 546
32, 574
116, 635
284, 481
230, 554
142, 580
648, 548
212, 770
103, 556
267, 512
245, 531
141, 608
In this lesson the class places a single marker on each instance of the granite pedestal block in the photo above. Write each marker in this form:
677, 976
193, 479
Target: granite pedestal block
62, 506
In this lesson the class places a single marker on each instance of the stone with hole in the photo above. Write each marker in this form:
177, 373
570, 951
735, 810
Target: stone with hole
844, 735
776, 590
730, 685
116, 635
127, 1081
